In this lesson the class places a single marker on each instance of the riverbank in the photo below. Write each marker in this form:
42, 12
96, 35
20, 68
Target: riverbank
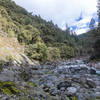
68, 80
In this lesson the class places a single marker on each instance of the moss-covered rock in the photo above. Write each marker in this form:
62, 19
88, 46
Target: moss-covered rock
8, 88
32, 84
7, 91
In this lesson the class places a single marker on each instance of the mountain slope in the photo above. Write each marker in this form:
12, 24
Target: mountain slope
36, 34
10, 47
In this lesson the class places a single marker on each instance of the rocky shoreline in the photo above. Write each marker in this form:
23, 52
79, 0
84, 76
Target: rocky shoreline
70, 80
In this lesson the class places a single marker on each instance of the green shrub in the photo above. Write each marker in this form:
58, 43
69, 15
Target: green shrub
28, 20
29, 36
38, 51
66, 52
3, 12
54, 53
10, 58
96, 52
2, 63
22, 11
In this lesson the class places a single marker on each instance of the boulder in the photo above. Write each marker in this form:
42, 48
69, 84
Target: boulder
92, 71
71, 90
65, 84
7, 75
46, 88
91, 83
54, 91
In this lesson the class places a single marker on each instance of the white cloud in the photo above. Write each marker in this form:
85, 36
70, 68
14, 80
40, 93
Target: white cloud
80, 31
82, 26
60, 11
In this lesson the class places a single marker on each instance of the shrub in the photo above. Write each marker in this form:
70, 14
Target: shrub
10, 58
96, 52
29, 36
38, 51
3, 12
28, 20
66, 51
22, 11
2, 63
54, 53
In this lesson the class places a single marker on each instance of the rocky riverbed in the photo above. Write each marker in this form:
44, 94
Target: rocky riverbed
70, 80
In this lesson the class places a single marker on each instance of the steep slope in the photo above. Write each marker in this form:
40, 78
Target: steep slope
10, 47
33, 32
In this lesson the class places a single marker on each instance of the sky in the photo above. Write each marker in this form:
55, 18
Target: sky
63, 12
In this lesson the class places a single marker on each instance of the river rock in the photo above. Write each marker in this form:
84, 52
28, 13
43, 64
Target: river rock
97, 66
7, 75
65, 85
77, 70
91, 83
92, 71
71, 90
46, 88
54, 91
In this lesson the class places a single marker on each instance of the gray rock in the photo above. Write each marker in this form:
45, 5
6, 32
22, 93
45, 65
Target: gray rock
46, 88
54, 92
7, 75
92, 71
97, 66
65, 84
91, 83
71, 90
77, 70
62, 89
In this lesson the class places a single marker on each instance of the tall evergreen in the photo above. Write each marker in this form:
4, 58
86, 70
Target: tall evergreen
96, 46
98, 12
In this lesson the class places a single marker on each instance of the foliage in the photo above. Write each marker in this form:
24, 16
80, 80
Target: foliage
38, 51
28, 20
89, 42
29, 35
96, 53
66, 51
2, 63
54, 53
36, 34
10, 58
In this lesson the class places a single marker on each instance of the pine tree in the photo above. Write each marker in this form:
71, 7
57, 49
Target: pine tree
98, 12
96, 46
